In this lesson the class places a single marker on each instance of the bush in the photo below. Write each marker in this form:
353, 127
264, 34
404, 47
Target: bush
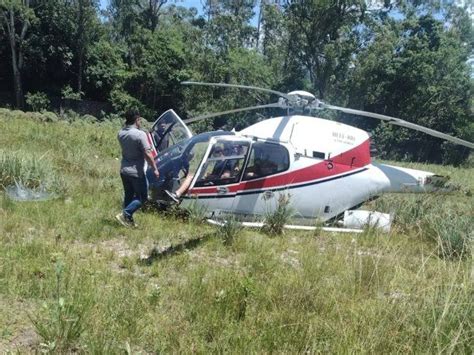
276, 220
68, 93
37, 101
70, 115
89, 118
195, 212
44, 116
30, 171
4, 112
229, 230
122, 102
49, 116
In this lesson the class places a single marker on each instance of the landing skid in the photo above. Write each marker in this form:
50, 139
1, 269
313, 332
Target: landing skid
291, 226
354, 221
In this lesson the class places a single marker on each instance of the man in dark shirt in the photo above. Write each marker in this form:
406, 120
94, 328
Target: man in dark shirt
135, 150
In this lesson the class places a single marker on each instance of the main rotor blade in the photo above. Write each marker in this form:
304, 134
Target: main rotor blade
236, 86
402, 123
194, 119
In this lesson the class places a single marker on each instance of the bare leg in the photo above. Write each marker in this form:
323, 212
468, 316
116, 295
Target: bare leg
185, 185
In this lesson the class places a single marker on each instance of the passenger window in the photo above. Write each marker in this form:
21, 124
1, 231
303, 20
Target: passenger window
266, 159
224, 164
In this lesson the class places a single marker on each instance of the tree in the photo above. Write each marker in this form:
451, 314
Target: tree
323, 39
16, 17
84, 17
106, 69
228, 26
151, 13
415, 69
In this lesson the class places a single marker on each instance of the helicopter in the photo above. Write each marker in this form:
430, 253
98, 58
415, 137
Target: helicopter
325, 167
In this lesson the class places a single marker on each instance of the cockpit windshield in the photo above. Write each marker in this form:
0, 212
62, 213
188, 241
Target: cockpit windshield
195, 146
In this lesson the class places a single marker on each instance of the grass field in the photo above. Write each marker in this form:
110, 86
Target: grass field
73, 280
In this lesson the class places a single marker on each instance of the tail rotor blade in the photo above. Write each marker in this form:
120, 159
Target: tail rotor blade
194, 119
402, 123
236, 86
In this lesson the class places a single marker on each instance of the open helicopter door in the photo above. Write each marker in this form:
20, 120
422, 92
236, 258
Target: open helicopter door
168, 130
217, 180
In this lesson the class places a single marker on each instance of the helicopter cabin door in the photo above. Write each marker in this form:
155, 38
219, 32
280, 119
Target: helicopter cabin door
168, 130
264, 179
218, 177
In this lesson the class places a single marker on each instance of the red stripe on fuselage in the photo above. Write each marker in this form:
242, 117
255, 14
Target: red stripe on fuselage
342, 163
154, 153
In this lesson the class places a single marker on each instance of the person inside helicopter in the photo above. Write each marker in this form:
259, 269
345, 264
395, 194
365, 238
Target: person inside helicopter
182, 165
227, 160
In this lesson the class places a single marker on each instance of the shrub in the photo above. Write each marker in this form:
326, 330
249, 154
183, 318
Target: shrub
276, 220
6, 113
89, 118
37, 101
195, 212
29, 170
229, 230
49, 116
68, 93
70, 116
122, 101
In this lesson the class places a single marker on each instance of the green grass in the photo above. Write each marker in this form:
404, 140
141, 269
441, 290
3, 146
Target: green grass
72, 279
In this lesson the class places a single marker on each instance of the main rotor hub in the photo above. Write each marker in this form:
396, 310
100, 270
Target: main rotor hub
303, 99
303, 95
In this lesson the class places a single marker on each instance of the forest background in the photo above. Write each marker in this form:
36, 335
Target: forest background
404, 58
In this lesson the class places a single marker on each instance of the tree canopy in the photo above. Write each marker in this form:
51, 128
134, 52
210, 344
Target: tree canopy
403, 58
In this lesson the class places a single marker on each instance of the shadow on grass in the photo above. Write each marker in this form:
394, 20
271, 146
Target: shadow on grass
110, 222
158, 254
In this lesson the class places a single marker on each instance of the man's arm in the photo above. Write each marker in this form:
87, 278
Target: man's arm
146, 148
151, 162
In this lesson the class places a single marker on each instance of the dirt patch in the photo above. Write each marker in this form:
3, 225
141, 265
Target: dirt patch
215, 260
16, 331
25, 341
119, 247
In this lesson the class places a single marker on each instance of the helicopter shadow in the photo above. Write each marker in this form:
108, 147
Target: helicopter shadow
157, 254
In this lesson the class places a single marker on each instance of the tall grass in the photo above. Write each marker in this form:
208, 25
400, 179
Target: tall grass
229, 230
302, 292
275, 221
30, 171
61, 321
448, 224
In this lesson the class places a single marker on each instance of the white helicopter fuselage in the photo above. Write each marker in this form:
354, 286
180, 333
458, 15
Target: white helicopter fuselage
328, 171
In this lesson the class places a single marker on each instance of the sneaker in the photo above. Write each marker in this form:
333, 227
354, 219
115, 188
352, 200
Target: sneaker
132, 221
124, 221
173, 196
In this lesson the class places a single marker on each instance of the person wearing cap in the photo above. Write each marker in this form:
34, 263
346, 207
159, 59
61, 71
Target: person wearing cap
135, 150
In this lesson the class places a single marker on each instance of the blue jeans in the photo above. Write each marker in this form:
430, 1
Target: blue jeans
136, 193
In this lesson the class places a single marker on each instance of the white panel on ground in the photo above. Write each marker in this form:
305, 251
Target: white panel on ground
361, 219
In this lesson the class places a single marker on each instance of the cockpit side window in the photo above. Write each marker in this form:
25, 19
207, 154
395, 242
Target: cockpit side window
266, 159
224, 164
